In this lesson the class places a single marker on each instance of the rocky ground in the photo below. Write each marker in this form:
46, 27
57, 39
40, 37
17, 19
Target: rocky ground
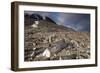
55, 42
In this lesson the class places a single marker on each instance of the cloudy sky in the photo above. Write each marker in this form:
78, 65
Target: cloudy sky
79, 22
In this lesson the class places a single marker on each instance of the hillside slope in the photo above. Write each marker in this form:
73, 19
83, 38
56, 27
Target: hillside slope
50, 41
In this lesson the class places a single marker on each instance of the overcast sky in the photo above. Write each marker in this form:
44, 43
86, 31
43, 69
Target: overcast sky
79, 22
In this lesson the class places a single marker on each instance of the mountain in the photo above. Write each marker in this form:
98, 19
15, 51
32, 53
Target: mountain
50, 41
36, 17
30, 19
51, 27
49, 20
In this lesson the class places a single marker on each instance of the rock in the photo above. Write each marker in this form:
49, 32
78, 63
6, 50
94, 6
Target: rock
39, 51
34, 48
74, 43
64, 52
41, 58
46, 53
34, 44
58, 46
35, 25
60, 58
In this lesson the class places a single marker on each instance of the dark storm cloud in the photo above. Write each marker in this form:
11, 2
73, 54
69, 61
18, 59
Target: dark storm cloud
79, 22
